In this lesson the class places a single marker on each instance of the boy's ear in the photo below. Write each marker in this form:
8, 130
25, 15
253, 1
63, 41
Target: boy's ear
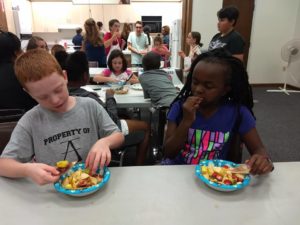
65, 75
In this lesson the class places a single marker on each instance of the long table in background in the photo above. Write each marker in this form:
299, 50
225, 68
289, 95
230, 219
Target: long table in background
157, 195
134, 98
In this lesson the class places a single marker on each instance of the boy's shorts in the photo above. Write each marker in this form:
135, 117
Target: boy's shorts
124, 127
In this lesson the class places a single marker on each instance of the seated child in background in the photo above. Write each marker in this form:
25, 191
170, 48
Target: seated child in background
61, 127
78, 74
214, 105
162, 50
57, 48
117, 70
37, 42
156, 83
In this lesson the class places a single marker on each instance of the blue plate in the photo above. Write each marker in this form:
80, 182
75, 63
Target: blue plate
84, 191
216, 186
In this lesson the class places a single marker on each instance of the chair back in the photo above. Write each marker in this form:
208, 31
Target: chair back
5, 133
9, 115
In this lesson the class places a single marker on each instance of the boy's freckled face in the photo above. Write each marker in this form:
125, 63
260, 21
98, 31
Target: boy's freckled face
51, 92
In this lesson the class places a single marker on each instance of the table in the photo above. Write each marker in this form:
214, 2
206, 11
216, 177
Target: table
157, 195
133, 99
171, 71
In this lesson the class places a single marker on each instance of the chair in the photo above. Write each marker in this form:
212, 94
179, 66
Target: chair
93, 64
131, 141
5, 133
158, 119
9, 115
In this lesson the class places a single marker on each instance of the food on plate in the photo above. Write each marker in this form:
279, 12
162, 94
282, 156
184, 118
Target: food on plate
81, 179
121, 90
63, 166
222, 175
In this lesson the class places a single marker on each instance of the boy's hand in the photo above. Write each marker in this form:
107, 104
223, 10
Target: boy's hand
99, 156
41, 173
110, 92
190, 106
259, 164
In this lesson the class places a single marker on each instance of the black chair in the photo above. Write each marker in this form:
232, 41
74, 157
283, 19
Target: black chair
131, 141
9, 115
5, 133
158, 119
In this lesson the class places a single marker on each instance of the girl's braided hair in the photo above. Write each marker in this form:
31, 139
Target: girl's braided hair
241, 91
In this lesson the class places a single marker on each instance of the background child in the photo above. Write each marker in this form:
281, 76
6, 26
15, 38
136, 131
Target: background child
214, 105
61, 127
117, 70
156, 83
57, 48
77, 39
93, 44
194, 41
37, 42
78, 75
162, 50
228, 37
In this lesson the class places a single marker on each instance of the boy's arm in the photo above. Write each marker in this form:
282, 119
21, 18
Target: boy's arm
99, 154
38, 172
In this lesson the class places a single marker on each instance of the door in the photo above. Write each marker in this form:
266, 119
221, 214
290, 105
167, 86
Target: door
3, 23
244, 23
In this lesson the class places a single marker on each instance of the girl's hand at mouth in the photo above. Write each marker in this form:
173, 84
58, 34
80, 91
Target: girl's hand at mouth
190, 107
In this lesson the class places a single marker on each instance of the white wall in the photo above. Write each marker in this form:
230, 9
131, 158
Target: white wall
274, 23
204, 19
66, 13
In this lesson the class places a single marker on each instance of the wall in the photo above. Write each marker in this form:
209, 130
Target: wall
9, 16
45, 20
274, 23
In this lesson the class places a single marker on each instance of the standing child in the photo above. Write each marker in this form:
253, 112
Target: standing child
61, 127
214, 105
194, 41
117, 70
162, 50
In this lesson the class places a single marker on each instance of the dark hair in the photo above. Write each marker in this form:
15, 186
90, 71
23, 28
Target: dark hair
241, 91
32, 43
77, 66
138, 22
99, 24
115, 54
197, 36
78, 30
158, 38
151, 61
61, 57
147, 31
112, 22
230, 12
10, 45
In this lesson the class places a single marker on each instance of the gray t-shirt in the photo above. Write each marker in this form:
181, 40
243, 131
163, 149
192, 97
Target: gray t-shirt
158, 85
50, 137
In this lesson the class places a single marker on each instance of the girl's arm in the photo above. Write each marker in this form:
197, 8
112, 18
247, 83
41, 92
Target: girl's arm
177, 135
175, 138
100, 78
134, 80
259, 161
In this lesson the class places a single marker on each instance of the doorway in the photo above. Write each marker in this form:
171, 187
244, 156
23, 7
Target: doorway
244, 23
3, 22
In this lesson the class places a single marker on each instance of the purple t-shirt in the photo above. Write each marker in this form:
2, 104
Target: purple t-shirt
208, 138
